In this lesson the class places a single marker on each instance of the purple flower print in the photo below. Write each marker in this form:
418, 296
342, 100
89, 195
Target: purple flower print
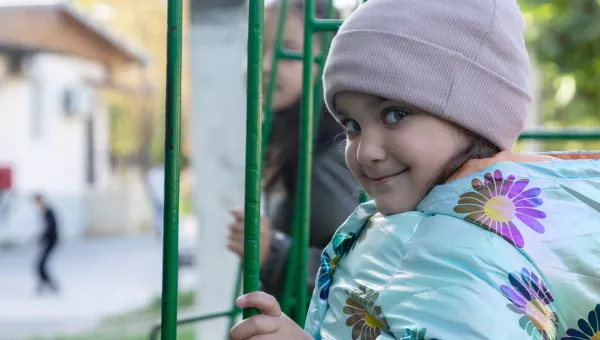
495, 203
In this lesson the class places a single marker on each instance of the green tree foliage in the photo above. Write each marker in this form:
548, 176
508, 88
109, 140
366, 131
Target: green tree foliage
137, 116
565, 37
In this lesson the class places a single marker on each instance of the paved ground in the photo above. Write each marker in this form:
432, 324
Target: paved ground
98, 278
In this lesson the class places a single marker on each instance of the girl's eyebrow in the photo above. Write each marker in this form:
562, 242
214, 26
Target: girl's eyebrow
377, 100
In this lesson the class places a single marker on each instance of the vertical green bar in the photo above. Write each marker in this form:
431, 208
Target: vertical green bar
266, 124
253, 151
306, 152
172, 162
291, 277
238, 287
325, 43
268, 109
268, 105
363, 196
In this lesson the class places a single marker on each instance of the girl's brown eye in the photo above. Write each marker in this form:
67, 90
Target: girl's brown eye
394, 116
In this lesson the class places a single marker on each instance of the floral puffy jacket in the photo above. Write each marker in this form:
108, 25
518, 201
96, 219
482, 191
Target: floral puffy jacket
509, 249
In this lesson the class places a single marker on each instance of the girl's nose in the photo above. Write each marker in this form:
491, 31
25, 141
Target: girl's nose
370, 148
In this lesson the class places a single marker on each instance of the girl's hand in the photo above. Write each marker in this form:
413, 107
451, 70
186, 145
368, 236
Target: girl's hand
236, 235
271, 325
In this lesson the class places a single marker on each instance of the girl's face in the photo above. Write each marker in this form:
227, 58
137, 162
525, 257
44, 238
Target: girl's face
395, 150
288, 88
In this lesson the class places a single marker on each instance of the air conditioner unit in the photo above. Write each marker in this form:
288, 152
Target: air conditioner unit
78, 101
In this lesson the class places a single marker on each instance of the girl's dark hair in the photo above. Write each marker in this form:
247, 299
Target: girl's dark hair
479, 148
282, 154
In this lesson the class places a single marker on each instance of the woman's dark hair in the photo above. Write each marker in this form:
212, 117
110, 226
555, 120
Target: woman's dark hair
283, 150
479, 148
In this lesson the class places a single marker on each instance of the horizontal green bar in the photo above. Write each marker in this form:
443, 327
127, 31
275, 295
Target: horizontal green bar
326, 25
290, 54
194, 319
295, 55
562, 134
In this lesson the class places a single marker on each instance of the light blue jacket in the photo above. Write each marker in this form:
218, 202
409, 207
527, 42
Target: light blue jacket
510, 252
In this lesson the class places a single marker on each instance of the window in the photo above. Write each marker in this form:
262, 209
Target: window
37, 106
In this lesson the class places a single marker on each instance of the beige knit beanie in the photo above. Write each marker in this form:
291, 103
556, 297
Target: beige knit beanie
463, 60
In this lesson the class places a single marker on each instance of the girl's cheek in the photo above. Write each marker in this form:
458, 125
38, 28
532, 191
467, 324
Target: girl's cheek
350, 153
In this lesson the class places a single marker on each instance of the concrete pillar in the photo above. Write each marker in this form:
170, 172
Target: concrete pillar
217, 130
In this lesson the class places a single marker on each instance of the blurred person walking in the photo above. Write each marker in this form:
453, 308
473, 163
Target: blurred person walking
48, 241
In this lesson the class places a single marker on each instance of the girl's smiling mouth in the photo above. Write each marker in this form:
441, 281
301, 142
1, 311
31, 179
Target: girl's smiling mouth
385, 178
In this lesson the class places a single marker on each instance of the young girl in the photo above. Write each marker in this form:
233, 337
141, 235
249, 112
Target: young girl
333, 186
464, 239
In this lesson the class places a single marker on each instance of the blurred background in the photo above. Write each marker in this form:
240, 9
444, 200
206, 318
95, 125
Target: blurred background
82, 91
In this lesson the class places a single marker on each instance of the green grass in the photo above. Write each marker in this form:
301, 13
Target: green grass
185, 333
136, 324
185, 301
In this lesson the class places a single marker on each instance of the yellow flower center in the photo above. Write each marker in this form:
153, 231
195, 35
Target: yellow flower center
500, 209
596, 336
333, 262
372, 321
540, 316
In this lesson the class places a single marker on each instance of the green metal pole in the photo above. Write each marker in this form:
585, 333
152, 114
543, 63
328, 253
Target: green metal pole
268, 107
193, 319
266, 124
563, 133
278, 54
321, 25
172, 170
253, 152
238, 288
291, 277
318, 87
296, 253
363, 196
306, 153
296, 55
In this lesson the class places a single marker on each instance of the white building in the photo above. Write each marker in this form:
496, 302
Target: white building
54, 129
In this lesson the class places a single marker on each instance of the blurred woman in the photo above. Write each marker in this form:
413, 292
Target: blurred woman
334, 189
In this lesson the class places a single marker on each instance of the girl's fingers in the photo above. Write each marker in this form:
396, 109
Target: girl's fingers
237, 226
236, 247
261, 300
256, 325
236, 237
